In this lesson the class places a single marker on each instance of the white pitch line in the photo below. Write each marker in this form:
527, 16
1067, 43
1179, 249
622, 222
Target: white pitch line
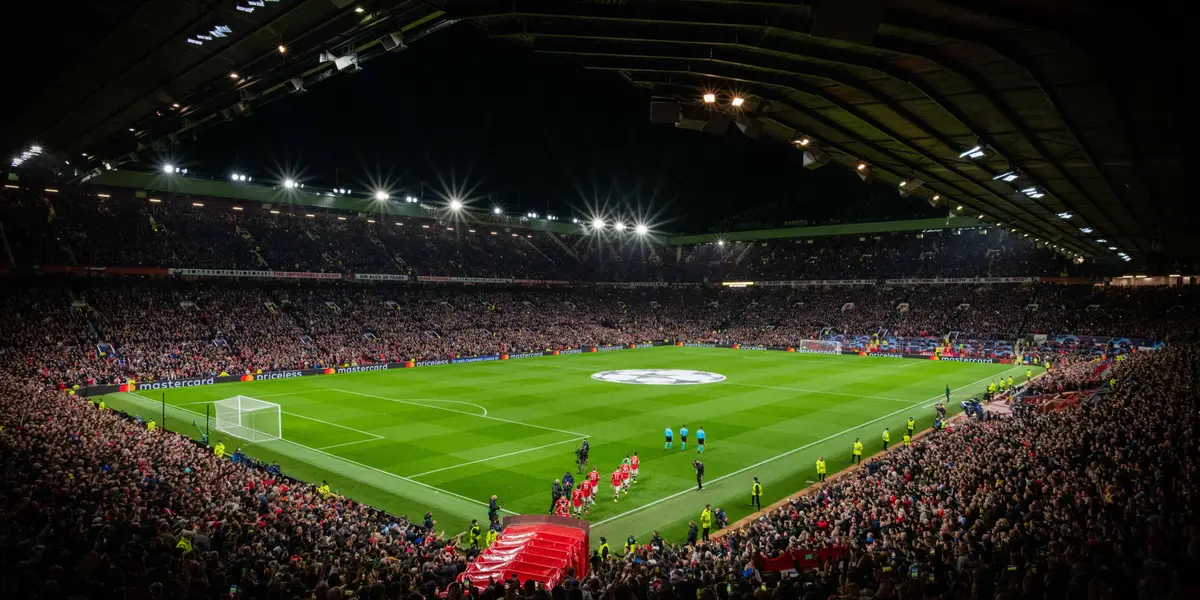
375, 435
574, 433
777, 387
790, 452
368, 467
490, 458
350, 443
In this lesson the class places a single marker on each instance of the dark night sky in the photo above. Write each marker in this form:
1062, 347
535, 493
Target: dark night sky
531, 131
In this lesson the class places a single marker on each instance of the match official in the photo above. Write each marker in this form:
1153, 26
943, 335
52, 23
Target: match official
756, 494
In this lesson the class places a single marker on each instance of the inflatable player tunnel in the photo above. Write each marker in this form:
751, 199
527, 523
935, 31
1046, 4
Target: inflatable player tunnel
533, 548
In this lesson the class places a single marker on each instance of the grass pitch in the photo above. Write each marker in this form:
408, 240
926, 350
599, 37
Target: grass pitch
446, 438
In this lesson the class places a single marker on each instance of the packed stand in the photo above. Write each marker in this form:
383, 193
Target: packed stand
78, 227
86, 332
98, 505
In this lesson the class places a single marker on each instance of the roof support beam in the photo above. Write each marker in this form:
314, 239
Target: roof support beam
948, 188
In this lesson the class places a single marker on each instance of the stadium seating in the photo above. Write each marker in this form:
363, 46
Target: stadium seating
1088, 490
75, 227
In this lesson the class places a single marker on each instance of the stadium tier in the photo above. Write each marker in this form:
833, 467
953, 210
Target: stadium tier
76, 228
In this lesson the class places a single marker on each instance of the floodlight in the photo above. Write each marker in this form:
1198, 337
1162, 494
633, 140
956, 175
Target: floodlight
738, 100
282, 49
720, 242
456, 205
803, 140
496, 210
235, 177
1006, 176
975, 152
641, 229
1101, 241
35, 149
168, 168
862, 166
598, 223
1085, 229
1065, 215
381, 195
710, 98
1112, 247
233, 75
288, 183
619, 226
183, 170
359, 9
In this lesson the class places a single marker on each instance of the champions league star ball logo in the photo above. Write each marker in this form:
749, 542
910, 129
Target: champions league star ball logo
659, 376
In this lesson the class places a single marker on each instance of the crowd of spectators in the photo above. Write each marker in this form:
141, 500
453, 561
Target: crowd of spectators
1094, 501
77, 227
98, 506
108, 330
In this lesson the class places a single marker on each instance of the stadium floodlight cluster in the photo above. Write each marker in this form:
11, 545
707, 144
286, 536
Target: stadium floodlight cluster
29, 153
240, 177
975, 152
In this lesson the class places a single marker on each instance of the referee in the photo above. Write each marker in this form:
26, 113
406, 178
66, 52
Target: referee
756, 494
699, 466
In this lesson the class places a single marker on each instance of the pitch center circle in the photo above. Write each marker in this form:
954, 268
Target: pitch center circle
659, 376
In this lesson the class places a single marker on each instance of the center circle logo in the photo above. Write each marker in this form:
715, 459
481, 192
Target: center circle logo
659, 376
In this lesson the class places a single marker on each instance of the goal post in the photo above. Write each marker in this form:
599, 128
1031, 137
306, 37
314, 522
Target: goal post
249, 419
818, 346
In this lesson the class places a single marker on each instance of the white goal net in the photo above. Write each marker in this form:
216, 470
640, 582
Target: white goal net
249, 419
818, 346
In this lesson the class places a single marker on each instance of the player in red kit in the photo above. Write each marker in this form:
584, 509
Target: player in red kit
577, 500
625, 474
560, 507
634, 461
588, 492
616, 484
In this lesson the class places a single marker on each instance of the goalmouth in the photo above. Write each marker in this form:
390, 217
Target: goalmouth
818, 346
249, 419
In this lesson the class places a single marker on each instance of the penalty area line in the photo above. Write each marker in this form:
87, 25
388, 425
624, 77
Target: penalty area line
919, 403
499, 456
461, 412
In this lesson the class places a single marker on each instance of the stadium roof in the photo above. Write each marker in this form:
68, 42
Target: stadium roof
1076, 108
1089, 133
155, 72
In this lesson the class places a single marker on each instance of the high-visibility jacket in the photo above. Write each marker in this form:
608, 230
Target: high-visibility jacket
756, 489
858, 447
820, 467
886, 436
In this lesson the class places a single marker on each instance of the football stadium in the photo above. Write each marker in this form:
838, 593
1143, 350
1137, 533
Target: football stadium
394, 299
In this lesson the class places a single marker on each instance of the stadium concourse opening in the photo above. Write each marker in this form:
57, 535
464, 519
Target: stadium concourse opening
882, 300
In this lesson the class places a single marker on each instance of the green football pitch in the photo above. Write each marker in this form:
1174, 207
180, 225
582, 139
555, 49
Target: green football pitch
445, 438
